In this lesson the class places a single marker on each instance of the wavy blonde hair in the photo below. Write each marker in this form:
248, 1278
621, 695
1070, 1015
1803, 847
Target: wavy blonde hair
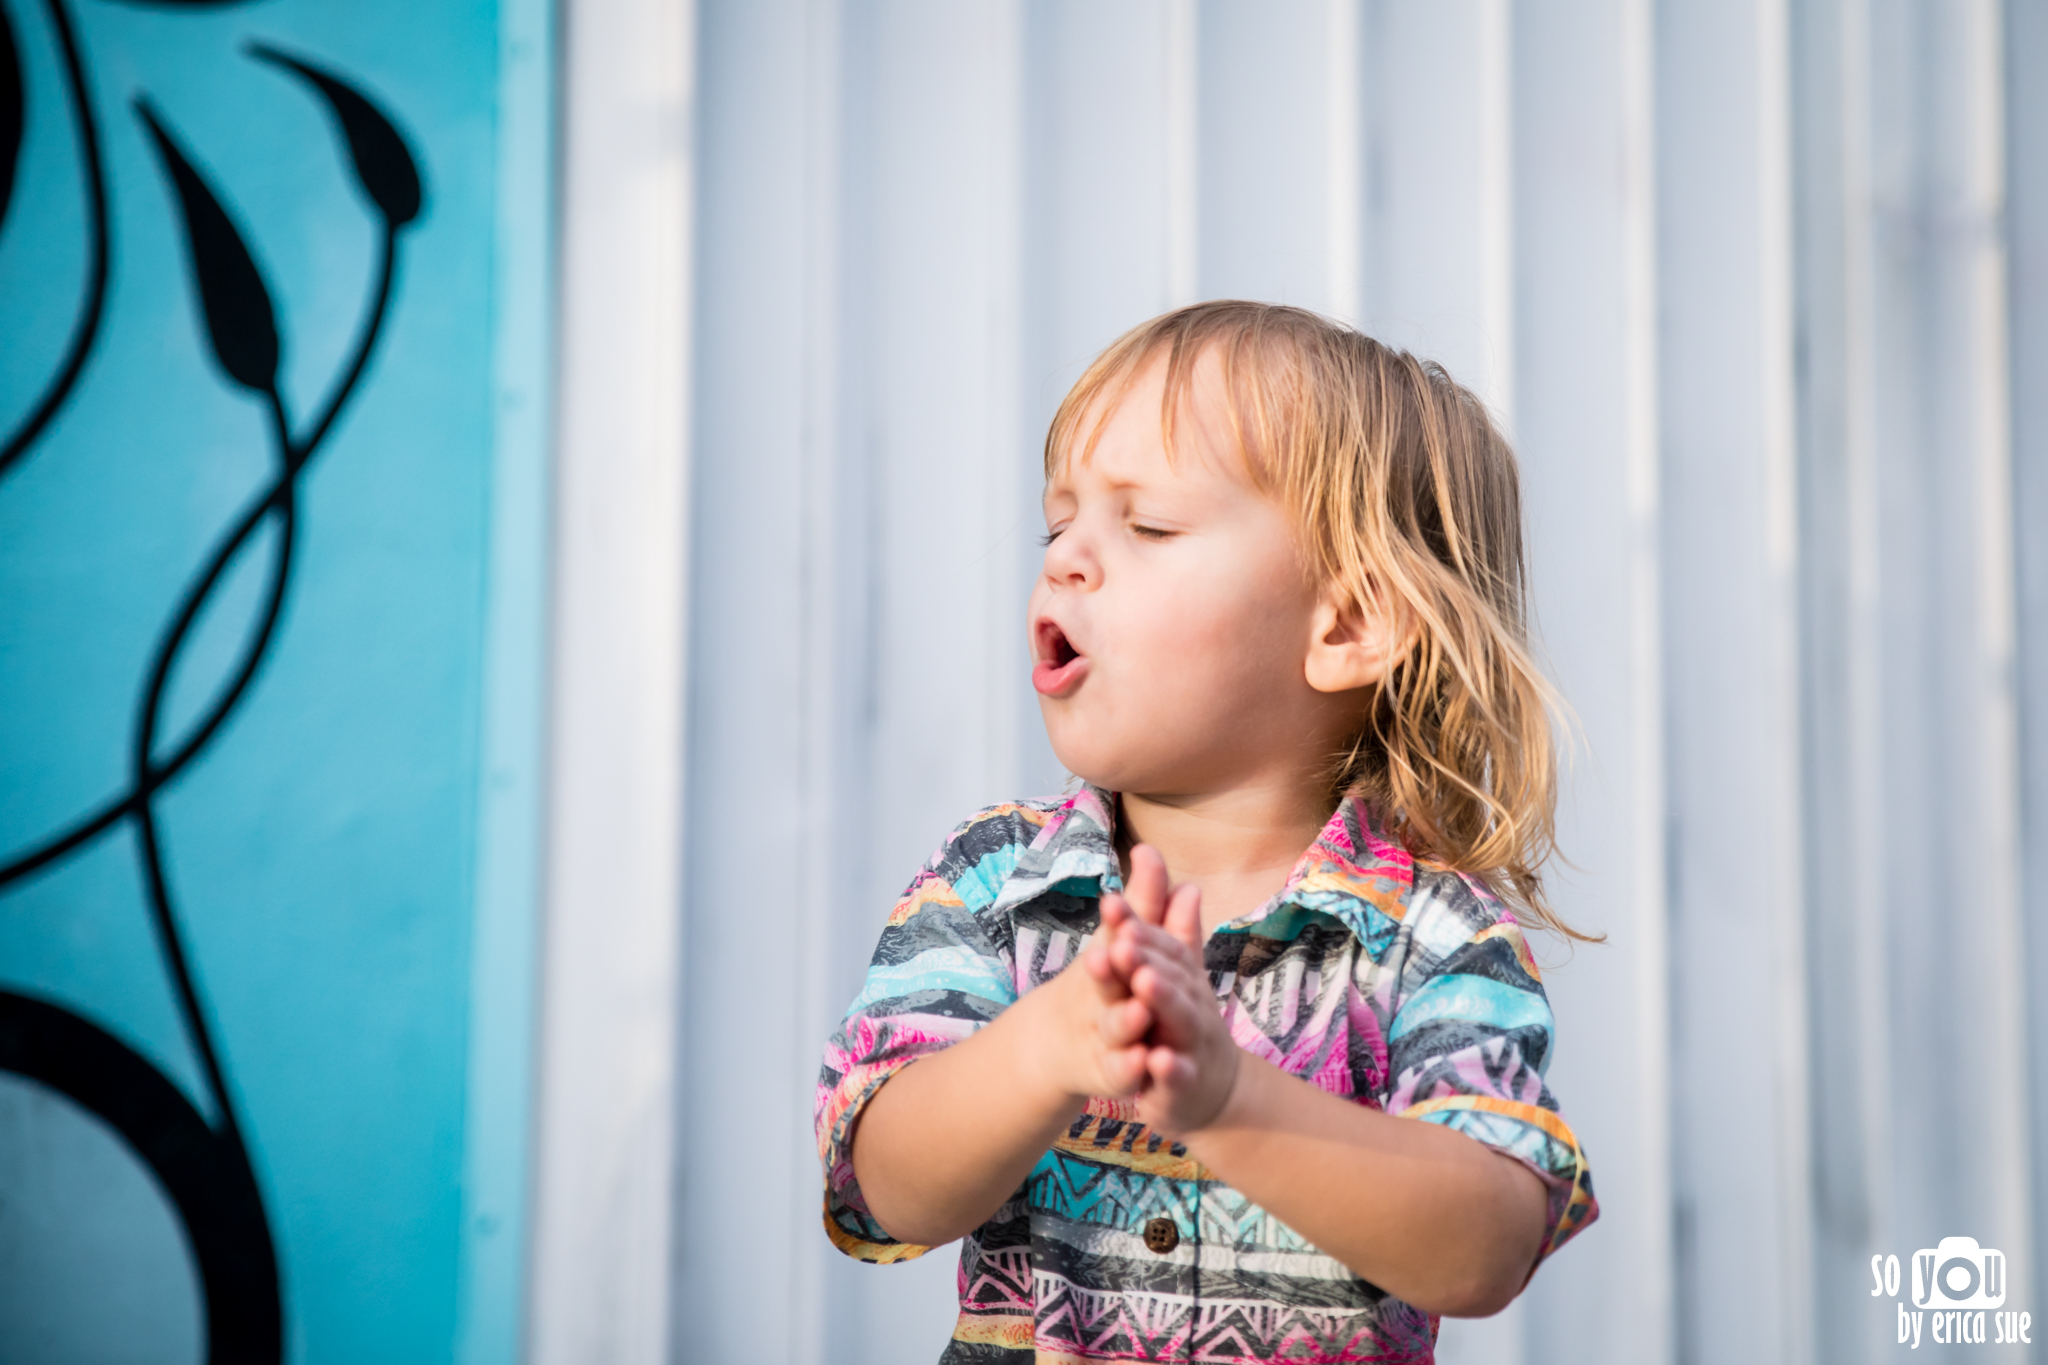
1405, 496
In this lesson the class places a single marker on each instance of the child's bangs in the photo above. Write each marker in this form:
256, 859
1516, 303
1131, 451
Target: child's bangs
1254, 369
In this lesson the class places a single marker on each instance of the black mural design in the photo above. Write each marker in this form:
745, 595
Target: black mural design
203, 1166
13, 123
13, 113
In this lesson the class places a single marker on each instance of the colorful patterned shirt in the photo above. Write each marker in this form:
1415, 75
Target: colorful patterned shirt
1393, 983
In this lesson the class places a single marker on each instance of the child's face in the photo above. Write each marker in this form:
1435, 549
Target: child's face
1171, 623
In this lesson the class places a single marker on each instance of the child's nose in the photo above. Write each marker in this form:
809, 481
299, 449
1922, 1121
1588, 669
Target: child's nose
1070, 560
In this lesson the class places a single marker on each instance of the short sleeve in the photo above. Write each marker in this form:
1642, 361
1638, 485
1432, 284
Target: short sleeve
1469, 1045
939, 973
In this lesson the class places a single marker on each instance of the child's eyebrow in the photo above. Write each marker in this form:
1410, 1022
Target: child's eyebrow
1114, 485
1063, 489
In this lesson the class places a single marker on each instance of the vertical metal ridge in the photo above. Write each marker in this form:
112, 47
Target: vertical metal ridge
2025, 40
1984, 155
1007, 517
1344, 160
829, 508
610, 1018
1495, 170
1642, 420
1863, 667
1182, 246
1777, 385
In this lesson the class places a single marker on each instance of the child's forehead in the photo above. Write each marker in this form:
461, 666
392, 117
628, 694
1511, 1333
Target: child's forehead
1117, 466
1129, 435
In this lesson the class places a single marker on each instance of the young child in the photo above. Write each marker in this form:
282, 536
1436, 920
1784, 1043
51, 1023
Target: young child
1291, 1107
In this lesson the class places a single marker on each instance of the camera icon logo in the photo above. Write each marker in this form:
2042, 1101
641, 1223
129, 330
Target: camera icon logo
1958, 1274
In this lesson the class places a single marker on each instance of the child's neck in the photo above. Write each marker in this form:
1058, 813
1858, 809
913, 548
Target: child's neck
1237, 845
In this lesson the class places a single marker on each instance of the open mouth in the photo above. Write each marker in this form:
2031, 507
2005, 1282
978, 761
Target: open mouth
1059, 666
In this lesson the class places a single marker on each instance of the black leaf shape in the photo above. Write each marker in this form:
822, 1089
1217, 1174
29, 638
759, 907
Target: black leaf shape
239, 318
13, 111
384, 167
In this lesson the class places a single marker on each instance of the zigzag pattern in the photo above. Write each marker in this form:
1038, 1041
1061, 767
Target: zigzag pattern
1089, 1191
1111, 1325
1241, 1331
1234, 1222
997, 1281
1138, 1326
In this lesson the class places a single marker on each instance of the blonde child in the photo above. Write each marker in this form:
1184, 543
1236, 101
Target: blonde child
1237, 1053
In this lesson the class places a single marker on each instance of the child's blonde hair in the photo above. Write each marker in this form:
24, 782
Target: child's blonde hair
1406, 497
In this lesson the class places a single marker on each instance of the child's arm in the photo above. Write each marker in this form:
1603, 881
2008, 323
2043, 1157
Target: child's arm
951, 1136
1430, 1215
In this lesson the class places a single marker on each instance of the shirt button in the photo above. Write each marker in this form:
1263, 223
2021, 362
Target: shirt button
1161, 1235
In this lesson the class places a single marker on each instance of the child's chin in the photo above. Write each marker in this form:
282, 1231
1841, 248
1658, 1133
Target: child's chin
1097, 769
1080, 759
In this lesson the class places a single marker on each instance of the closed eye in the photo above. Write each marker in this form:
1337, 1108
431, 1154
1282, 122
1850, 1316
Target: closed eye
1153, 532
1050, 536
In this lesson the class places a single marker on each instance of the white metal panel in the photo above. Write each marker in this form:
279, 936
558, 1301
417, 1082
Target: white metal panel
762, 434
2026, 135
1262, 132
1741, 1149
1439, 230
1947, 750
1110, 126
1913, 779
1586, 424
609, 1037
1850, 1023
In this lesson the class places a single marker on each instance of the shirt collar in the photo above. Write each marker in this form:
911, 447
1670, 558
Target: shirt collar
1076, 843
1351, 865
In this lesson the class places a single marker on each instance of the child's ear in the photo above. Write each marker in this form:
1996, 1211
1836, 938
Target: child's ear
1352, 645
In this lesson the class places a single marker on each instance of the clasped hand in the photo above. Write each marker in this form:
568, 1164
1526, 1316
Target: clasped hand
1141, 1014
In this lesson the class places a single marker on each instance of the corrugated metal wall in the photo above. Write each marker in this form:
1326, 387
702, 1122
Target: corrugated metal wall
1760, 288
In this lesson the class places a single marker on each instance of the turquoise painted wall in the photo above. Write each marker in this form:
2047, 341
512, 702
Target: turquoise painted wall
347, 861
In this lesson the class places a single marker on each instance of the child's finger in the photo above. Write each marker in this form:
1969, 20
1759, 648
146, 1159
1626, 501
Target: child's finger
1170, 1069
1167, 970
1146, 890
1183, 1003
1125, 1070
1176, 1008
1117, 920
1184, 915
1111, 983
1126, 947
1160, 943
1124, 1023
